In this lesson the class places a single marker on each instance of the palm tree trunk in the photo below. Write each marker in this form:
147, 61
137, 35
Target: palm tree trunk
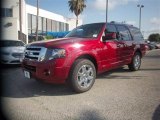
77, 21
37, 20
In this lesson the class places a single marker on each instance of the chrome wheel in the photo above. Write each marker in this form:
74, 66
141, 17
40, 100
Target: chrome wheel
85, 76
137, 61
82, 75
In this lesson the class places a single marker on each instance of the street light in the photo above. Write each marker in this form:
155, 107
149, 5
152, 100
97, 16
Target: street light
106, 11
140, 7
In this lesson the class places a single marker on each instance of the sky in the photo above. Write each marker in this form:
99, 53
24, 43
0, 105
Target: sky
118, 10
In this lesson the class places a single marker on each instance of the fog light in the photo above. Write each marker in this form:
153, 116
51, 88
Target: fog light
47, 72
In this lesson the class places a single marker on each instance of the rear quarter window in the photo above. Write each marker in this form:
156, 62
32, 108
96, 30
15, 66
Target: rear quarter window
136, 34
124, 33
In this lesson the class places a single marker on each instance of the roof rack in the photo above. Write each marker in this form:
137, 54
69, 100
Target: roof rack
123, 22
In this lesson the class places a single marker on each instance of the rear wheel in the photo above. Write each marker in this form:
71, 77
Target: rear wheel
136, 62
82, 76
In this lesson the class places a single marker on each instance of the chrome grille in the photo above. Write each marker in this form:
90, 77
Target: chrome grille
17, 55
35, 53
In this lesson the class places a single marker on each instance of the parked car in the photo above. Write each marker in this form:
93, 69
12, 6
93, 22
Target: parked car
85, 52
32, 38
11, 51
157, 45
152, 45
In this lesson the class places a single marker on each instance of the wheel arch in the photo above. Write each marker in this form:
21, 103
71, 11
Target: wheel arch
89, 57
138, 51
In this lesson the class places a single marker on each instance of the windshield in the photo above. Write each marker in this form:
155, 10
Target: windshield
11, 43
87, 31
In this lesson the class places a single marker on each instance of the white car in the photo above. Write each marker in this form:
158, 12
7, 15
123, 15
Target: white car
11, 51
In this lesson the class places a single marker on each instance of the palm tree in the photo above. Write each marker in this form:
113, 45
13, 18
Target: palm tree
77, 7
37, 20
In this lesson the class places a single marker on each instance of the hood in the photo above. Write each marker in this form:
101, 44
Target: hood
19, 49
59, 42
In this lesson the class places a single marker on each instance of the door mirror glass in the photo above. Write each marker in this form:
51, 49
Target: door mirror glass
109, 36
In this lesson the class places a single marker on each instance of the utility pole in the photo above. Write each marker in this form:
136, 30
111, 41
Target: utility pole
140, 7
20, 19
37, 20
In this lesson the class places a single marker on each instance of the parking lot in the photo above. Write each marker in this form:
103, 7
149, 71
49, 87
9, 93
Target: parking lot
116, 95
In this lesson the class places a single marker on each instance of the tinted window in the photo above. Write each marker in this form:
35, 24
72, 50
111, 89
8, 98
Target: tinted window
87, 31
136, 33
8, 43
124, 33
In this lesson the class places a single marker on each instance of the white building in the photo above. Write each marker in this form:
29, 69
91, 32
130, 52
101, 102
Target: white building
18, 16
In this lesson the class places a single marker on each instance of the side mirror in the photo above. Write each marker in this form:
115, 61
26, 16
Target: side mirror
109, 36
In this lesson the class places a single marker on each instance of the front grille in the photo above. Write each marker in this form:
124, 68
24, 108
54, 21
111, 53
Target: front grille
30, 68
35, 53
15, 61
17, 55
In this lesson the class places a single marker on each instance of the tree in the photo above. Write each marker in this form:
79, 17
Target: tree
37, 20
154, 37
76, 6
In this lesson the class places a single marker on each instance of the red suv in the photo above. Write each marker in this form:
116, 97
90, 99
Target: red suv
85, 52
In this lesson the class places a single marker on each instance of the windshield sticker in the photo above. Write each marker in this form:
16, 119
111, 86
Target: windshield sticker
94, 35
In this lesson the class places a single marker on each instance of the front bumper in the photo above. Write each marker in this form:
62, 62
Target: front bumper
9, 59
46, 71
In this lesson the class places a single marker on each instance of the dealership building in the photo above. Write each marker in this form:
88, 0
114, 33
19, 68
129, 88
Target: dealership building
19, 21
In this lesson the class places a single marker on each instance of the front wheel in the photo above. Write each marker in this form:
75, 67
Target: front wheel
136, 62
82, 75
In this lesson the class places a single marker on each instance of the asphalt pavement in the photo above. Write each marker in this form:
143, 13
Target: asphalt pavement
116, 95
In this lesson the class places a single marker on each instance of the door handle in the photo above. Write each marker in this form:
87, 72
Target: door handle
119, 45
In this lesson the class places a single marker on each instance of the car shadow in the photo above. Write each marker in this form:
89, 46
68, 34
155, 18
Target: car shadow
156, 114
32, 88
90, 114
15, 85
110, 74
9, 66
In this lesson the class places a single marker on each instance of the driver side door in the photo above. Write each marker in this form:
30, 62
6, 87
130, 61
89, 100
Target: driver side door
112, 49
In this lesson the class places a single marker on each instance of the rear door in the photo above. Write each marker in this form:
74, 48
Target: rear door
138, 39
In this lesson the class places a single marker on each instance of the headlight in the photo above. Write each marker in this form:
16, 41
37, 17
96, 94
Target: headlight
4, 53
57, 53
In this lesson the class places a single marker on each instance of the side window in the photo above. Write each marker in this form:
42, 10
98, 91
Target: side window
21, 44
136, 34
110, 28
124, 33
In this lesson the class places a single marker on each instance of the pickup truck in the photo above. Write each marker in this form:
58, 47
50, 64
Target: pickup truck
83, 53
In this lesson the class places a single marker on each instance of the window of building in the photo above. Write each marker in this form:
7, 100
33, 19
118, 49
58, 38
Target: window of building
44, 25
54, 24
124, 33
61, 26
29, 23
6, 12
33, 24
49, 25
39, 24
67, 27
57, 26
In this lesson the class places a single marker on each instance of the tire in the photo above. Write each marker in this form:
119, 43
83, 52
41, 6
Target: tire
136, 62
82, 75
